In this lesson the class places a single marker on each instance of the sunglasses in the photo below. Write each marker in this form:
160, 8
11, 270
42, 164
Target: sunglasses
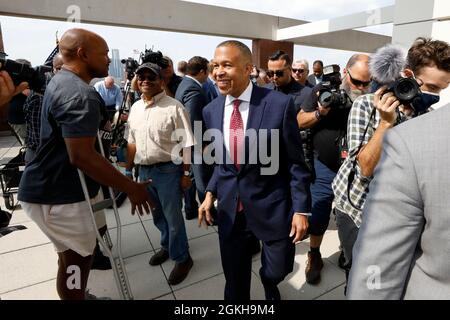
359, 83
148, 77
278, 73
298, 70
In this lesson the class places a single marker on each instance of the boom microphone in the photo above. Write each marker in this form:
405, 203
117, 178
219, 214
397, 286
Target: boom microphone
386, 64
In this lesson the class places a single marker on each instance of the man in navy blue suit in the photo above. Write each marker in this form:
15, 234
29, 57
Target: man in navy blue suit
254, 200
210, 86
191, 94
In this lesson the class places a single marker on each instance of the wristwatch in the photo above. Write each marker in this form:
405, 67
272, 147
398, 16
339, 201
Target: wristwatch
186, 173
318, 115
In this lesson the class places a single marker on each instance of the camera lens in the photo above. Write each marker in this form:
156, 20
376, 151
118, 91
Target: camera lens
406, 89
325, 98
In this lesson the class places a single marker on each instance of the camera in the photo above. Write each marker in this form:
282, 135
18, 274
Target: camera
21, 72
130, 67
331, 96
154, 57
405, 90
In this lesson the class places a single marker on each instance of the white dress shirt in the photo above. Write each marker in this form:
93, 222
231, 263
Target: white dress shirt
198, 82
244, 109
228, 110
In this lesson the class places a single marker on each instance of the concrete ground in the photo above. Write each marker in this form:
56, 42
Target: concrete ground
28, 262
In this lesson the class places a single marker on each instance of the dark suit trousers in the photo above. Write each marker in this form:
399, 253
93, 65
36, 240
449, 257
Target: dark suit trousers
277, 261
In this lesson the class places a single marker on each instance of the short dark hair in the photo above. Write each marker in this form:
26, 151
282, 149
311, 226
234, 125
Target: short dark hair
426, 52
281, 55
195, 65
182, 66
246, 53
168, 59
211, 66
319, 62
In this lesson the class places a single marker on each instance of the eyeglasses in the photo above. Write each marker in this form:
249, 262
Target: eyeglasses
297, 70
358, 83
278, 73
141, 77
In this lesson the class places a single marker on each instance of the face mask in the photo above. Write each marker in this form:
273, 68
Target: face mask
424, 101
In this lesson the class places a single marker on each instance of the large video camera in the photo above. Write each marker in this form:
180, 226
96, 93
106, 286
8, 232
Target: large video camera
331, 96
154, 57
21, 72
130, 67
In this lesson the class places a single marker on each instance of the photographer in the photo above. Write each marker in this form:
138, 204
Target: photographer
16, 113
373, 115
328, 125
7, 88
32, 109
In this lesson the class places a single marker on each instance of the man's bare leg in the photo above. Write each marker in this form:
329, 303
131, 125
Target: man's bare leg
73, 274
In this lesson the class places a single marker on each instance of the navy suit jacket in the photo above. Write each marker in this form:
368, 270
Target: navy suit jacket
193, 98
210, 90
269, 200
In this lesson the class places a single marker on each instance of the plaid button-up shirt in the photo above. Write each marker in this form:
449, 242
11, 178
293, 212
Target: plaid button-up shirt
358, 120
32, 109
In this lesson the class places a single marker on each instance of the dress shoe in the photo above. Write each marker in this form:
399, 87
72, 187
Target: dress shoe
159, 257
272, 293
313, 267
180, 271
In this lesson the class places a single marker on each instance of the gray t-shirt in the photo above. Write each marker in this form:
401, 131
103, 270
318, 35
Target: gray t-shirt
71, 109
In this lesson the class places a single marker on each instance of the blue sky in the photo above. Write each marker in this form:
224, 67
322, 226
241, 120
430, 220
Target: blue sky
34, 39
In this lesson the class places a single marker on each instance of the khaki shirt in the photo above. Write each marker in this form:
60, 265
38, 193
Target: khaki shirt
151, 125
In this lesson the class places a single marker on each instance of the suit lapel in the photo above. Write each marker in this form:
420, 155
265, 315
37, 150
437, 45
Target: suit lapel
255, 115
256, 109
217, 123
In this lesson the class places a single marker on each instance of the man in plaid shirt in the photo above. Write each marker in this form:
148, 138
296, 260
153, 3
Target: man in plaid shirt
371, 116
32, 109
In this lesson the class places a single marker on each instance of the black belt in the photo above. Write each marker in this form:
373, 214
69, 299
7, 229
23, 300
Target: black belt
155, 165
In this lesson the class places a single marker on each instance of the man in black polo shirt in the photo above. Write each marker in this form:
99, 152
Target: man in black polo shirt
328, 125
280, 73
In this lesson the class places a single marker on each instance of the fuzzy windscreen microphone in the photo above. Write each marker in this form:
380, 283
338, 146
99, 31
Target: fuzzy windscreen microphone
386, 64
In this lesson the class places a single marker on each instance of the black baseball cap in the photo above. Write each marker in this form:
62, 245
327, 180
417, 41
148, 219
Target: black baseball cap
149, 66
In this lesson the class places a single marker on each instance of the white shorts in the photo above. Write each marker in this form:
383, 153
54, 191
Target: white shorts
68, 226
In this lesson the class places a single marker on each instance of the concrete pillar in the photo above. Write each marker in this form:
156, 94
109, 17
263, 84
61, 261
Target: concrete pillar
262, 49
418, 18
